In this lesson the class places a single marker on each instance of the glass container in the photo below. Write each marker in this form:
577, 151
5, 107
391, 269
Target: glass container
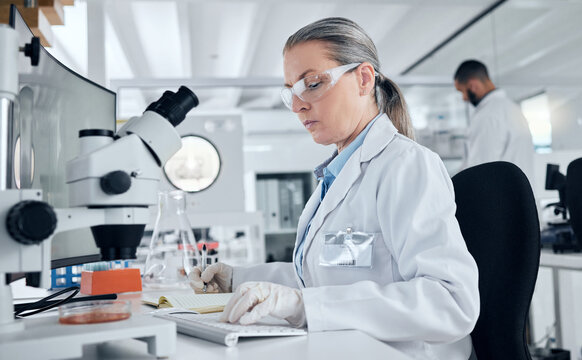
172, 251
93, 312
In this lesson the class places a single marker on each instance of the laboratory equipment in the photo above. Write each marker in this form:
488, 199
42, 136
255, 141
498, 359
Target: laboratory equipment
110, 281
173, 248
110, 185
52, 105
195, 167
210, 165
40, 304
574, 196
558, 235
94, 312
221, 229
549, 354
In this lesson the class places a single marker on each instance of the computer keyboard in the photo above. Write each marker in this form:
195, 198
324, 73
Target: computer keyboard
209, 327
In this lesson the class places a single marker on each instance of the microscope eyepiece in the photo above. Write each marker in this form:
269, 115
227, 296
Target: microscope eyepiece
175, 106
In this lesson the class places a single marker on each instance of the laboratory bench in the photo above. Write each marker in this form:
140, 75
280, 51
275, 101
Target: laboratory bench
563, 295
348, 344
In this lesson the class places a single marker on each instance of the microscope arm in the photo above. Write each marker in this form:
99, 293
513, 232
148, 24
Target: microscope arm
79, 218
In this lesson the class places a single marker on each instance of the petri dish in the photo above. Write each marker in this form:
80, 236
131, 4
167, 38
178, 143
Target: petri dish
94, 312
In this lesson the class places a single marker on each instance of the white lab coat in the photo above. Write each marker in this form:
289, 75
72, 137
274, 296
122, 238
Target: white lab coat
499, 131
421, 294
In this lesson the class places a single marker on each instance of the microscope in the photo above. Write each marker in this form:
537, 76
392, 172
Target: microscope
111, 184
559, 235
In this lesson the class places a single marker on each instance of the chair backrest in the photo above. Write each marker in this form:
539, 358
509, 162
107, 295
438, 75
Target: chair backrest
498, 218
574, 196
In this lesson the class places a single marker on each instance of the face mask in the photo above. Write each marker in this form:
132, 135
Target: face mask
473, 98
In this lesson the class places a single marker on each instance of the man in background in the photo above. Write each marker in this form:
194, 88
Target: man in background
497, 130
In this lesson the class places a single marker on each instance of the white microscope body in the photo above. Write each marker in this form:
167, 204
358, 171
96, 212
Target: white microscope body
111, 184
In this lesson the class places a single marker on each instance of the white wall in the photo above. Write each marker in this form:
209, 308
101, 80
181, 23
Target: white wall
276, 142
566, 117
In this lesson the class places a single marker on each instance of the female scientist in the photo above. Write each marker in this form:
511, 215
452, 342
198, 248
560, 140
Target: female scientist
378, 247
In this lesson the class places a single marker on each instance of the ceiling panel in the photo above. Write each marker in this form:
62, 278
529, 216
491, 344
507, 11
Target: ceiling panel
125, 31
526, 43
157, 30
219, 43
280, 22
519, 43
419, 31
117, 63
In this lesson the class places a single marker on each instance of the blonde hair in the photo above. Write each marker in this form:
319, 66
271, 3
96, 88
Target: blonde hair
348, 43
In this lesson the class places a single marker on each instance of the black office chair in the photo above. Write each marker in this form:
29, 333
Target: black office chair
498, 218
574, 196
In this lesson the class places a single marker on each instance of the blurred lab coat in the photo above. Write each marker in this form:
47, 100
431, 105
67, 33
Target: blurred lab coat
499, 131
421, 293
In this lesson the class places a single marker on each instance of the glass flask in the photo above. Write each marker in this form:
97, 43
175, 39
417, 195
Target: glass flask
173, 247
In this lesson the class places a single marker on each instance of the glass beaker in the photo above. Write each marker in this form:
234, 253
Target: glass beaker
173, 246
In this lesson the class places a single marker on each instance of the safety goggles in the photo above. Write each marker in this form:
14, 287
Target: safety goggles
313, 87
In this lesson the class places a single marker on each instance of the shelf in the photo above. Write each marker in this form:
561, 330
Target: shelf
280, 231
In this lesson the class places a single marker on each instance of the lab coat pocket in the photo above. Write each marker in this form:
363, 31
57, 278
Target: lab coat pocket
348, 249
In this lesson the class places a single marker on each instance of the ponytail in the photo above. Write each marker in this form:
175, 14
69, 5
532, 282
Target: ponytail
391, 101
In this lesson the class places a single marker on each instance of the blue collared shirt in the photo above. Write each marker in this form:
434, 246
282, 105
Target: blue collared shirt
326, 173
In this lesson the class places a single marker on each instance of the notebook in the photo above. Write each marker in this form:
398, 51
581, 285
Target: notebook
201, 303
209, 327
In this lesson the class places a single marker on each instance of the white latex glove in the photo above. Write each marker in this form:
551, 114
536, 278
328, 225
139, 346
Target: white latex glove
218, 278
254, 300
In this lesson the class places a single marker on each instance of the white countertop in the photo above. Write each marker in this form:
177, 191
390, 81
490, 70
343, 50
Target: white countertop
350, 344
572, 261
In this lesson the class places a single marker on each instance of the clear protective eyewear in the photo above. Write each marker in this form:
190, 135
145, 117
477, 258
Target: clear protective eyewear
312, 87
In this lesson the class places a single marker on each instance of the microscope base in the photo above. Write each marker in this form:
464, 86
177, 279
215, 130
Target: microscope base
46, 338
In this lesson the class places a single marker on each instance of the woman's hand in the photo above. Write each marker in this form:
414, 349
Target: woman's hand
254, 300
218, 279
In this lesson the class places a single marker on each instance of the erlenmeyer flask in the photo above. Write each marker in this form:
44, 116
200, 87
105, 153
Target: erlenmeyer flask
173, 246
